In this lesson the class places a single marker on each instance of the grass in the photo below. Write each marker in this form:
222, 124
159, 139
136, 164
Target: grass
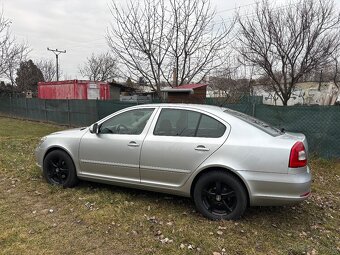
36, 218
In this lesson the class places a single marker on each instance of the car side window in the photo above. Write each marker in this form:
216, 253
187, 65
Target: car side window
131, 122
210, 127
174, 122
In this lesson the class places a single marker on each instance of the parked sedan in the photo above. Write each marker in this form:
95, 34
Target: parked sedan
223, 159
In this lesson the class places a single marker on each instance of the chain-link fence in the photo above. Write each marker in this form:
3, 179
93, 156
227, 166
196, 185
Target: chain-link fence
321, 124
66, 112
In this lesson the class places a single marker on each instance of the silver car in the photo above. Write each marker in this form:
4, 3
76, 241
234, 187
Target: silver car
223, 159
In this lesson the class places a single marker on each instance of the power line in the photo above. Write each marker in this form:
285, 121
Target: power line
57, 53
236, 8
252, 14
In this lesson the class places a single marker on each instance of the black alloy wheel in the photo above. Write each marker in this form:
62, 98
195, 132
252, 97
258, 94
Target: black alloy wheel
58, 169
219, 195
219, 199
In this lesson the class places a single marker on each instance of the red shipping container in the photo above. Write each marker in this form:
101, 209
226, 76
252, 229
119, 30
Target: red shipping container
74, 89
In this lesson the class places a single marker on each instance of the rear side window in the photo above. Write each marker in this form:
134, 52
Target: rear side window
209, 127
174, 122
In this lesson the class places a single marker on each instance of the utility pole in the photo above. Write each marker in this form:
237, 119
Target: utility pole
57, 53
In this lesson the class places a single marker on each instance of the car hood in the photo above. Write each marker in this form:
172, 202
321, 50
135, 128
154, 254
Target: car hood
71, 132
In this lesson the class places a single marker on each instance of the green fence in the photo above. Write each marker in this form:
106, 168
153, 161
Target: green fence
66, 112
321, 124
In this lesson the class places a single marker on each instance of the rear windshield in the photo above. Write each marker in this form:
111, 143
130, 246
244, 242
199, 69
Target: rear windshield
255, 122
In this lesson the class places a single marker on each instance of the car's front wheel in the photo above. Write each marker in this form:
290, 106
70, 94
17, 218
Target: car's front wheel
58, 169
219, 195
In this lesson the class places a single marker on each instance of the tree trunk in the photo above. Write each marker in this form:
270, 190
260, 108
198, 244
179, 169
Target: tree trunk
285, 100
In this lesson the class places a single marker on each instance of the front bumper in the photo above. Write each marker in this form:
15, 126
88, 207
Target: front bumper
271, 189
39, 157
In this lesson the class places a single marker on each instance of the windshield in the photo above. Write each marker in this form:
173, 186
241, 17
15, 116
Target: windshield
255, 122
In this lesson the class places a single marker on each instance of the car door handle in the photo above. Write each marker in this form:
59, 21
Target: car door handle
201, 148
133, 144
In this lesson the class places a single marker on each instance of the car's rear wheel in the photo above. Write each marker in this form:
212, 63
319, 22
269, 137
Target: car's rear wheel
58, 169
219, 195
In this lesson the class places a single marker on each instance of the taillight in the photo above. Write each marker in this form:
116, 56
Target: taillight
298, 155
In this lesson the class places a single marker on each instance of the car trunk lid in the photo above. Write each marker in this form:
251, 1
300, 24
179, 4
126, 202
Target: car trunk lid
297, 137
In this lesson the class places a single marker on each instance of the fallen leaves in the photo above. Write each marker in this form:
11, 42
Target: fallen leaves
45, 211
91, 206
166, 240
312, 252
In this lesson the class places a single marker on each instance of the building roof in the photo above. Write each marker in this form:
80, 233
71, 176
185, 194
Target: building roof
191, 91
67, 82
122, 86
191, 86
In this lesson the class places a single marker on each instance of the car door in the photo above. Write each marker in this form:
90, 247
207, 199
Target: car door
177, 143
114, 152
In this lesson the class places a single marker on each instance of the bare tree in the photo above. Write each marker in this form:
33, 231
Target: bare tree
232, 83
168, 40
4, 38
12, 53
102, 67
48, 69
286, 43
15, 53
334, 71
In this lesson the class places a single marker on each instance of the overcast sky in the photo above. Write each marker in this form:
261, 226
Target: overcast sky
77, 26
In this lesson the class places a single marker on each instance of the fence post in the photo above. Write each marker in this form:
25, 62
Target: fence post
254, 109
10, 106
26, 108
45, 108
68, 113
97, 109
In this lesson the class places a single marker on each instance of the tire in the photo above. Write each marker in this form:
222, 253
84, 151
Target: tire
58, 169
218, 195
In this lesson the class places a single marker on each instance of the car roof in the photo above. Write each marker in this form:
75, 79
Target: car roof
204, 107
230, 116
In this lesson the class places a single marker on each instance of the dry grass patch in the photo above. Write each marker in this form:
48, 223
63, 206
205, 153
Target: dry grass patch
37, 218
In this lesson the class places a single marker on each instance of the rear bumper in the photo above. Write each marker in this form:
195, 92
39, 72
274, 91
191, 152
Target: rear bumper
270, 189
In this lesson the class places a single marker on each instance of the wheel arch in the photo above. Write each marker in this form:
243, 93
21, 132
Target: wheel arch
217, 168
72, 177
54, 148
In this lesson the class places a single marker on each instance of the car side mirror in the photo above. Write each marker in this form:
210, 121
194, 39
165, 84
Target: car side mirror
94, 129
